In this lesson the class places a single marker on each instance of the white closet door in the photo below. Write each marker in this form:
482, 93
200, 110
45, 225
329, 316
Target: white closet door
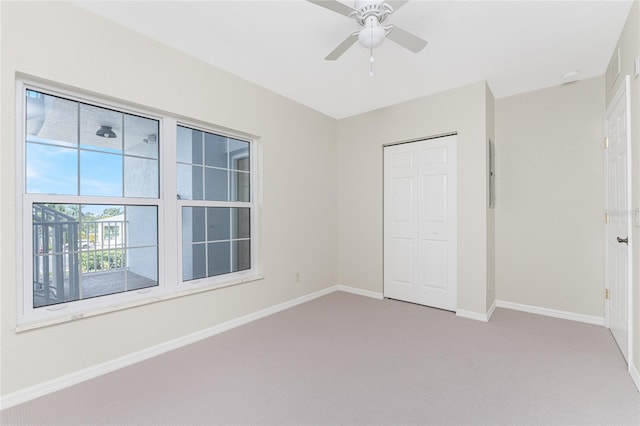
618, 230
420, 222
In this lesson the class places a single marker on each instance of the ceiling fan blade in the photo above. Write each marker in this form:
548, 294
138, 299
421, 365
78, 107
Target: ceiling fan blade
334, 6
396, 4
406, 39
342, 47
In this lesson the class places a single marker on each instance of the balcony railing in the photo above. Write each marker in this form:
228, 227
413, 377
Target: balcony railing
67, 252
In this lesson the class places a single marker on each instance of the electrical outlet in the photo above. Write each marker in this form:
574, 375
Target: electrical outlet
297, 277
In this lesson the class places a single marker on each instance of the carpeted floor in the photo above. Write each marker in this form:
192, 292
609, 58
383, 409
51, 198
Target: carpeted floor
346, 359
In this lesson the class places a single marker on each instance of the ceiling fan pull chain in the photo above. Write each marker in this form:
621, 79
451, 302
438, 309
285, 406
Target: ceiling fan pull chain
371, 57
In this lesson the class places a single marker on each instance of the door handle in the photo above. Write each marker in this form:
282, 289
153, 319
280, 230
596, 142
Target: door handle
623, 240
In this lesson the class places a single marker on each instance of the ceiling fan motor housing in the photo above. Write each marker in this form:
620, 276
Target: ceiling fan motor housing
365, 9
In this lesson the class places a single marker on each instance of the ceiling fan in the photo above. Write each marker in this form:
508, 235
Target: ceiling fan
370, 15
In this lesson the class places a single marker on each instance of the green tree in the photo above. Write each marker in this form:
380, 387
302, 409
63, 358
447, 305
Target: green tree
111, 212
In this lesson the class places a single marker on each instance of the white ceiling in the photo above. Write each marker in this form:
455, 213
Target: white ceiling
517, 46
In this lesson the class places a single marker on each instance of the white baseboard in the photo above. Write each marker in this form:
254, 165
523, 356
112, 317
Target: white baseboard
462, 313
360, 292
589, 319
635, 375
491, 310
50, 386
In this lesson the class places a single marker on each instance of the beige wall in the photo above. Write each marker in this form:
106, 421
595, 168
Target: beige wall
629, 45
67, 45
360, 180
549, 235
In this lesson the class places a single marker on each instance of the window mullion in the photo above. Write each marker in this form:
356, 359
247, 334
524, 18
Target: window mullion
168, 222
78, 163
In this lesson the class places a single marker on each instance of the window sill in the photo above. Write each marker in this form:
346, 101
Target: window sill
121, 306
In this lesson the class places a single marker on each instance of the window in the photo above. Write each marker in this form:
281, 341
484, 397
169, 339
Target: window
214, 186
92, 206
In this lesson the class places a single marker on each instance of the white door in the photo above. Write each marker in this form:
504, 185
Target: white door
420, 222
618, 229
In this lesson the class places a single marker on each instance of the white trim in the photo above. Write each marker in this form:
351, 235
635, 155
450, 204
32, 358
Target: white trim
132, 303
463, 313
491, 310
59, 383
354, 290
589, 319
635, 375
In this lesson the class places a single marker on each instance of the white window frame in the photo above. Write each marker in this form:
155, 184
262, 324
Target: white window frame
170, 283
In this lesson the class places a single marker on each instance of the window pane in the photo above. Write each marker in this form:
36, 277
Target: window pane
94, 285
140, 136
102, 227
198, 185
219, 258
221, 154
82, 251
218, 223
241, 255
239, 154
194, 261
189, 146
215, 149
215, 185
241, 223
140, 177
100, 174
240, 186
190, 182
55, 266
193, 224
100, 129
51, 170
184, 146
141, 226
51, 119
142, 268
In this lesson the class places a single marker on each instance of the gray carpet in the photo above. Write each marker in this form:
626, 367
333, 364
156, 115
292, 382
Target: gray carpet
346, 359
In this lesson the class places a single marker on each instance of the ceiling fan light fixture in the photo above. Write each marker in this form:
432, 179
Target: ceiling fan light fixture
105, 132
370, 16
373, 34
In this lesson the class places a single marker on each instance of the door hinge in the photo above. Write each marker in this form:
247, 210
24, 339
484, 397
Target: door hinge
606, 294
606, 218
606, 142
